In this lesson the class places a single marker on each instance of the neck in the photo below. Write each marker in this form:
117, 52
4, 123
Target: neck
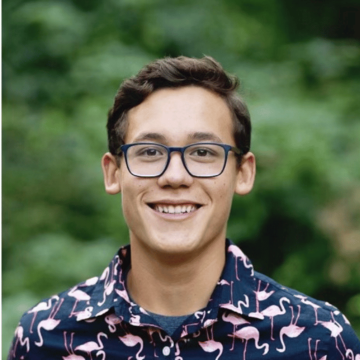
174, 284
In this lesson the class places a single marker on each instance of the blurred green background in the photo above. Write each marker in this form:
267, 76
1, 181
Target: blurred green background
299, 63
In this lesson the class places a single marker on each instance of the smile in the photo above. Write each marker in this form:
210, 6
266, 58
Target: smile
174, 209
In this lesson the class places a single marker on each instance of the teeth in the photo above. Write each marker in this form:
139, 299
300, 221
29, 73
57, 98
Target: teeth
178, 209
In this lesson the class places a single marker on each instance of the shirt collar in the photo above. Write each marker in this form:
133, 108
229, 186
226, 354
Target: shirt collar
235, 291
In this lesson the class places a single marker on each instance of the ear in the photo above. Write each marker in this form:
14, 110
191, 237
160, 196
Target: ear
246, 174
111, 173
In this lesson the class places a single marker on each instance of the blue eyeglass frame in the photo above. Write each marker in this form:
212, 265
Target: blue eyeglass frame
124, 148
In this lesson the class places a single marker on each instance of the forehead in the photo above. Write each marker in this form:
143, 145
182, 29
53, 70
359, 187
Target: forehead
177, 114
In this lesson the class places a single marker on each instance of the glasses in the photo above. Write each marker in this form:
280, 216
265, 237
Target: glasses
201, 160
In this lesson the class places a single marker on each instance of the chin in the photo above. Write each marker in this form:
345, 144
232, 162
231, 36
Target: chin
180, 244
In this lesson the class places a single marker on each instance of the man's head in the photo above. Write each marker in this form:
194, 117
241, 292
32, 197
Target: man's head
175, 210
175, 73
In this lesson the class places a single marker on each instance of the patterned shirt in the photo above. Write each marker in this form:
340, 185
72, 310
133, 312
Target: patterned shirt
249, 316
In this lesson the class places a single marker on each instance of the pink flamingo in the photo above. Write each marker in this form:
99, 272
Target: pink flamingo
291, 330
235, 320
248, 333
49, 324
19, 332
108, 289
262, 295
85, 314
305, 301
273, 311
316, 345
133, 340
335, 329
350, 355
123, 294
112, 320
41, 307
237, 308
101, 352
223, 282
199, 314
211, 346
72, 355
185, 329
90, 346
90, 282
79, 295
238, 254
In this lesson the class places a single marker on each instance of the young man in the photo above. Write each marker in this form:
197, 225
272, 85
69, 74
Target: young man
179, 140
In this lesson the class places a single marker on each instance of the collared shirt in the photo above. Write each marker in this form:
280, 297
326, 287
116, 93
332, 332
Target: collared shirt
249, 316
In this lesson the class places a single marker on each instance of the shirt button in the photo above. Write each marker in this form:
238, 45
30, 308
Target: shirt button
166, 351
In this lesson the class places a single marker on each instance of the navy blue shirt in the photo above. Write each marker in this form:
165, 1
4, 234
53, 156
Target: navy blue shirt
249, 316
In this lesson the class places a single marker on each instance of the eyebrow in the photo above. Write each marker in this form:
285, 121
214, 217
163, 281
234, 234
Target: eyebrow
150, 136
197, 136
205, 136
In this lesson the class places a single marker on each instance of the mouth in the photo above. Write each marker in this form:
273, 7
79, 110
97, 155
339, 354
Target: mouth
174, 208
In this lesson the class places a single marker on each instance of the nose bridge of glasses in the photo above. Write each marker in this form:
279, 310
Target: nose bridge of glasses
176, 149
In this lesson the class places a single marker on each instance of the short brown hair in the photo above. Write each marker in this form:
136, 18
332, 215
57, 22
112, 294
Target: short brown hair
173, 73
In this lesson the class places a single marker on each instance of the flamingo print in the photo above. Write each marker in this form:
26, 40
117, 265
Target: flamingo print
238, 254
273, 311
211, 346
90, 346
70, 351
248, 333
335, 329
316, 345
291, 330
262, 295
79, 295
41, 307
235, 320
350, 355
19, 333
91, 281
85, 314
101, 352
237, 308
49, 324
185, 329
123, 294
133, 340
112, 320
304, 300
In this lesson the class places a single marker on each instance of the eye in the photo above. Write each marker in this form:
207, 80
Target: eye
148, 151
201, 152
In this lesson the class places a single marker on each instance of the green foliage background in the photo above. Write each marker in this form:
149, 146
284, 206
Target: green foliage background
299, 63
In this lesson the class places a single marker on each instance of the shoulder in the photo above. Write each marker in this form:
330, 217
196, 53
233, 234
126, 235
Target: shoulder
320, 323
41, 329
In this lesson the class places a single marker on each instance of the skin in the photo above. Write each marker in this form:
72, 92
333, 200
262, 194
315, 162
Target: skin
180, 255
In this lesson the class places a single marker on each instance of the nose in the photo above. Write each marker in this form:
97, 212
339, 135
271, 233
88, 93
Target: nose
175, 174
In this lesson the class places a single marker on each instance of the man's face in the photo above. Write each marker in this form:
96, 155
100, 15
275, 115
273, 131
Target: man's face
179, 117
